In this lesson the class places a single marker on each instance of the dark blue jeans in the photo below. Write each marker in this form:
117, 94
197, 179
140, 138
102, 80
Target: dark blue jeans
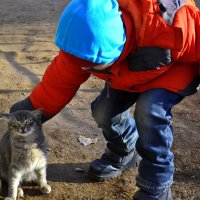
150, 131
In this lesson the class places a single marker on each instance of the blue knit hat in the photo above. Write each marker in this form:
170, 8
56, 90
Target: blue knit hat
92, 30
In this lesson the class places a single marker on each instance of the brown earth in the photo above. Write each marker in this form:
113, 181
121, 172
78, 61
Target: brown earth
27, 30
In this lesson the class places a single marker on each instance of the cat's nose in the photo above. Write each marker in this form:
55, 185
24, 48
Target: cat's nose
22, 129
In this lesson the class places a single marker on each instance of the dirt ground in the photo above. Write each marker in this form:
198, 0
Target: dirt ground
27, 30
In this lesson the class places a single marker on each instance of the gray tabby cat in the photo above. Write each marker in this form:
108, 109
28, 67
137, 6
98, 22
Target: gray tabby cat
23, 152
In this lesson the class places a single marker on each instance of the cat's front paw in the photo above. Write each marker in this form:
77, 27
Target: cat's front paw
0, 185
8, 198
46, 189
20, 193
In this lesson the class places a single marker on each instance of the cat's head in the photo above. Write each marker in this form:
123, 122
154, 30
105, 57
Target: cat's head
23, 121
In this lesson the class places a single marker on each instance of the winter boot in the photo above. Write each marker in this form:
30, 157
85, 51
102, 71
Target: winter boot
142, 195
111, 165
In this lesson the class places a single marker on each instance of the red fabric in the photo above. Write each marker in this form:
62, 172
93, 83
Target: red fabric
64, 75
188, 19
147, 20
59, 84
174, 77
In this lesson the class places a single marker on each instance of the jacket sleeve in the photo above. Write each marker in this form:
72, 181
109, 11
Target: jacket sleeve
173, 25
59, 84
188, 20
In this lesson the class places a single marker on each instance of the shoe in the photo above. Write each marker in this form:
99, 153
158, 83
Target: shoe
111, 165
142, 195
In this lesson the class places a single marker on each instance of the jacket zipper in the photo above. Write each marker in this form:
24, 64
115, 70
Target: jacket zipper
107, 88
108, 85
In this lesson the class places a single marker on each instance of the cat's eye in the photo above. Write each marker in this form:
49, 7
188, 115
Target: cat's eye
15, 124
29, 122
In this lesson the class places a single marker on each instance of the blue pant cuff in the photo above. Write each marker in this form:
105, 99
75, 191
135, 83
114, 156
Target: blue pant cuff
151, 187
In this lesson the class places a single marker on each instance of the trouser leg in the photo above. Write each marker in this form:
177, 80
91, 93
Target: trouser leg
113, 117
154, 123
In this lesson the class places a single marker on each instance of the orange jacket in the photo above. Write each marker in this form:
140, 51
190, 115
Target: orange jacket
145, 27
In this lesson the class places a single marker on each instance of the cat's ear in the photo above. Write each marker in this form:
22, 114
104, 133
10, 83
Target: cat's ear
5, 115
38, 113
